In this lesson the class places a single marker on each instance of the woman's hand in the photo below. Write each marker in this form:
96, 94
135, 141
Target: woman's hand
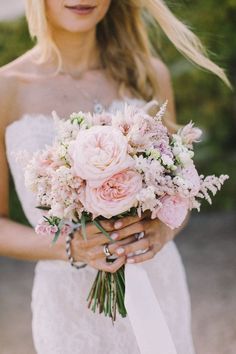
156, 235
90, 251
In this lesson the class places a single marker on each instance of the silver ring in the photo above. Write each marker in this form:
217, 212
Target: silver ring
139, 235
106, 250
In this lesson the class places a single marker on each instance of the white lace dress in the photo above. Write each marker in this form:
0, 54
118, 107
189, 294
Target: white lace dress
62, 324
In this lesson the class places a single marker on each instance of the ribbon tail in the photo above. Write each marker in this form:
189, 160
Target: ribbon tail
145, 314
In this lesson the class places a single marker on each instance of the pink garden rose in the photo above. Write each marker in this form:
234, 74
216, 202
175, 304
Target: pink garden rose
98, 153
173, 211
115, 196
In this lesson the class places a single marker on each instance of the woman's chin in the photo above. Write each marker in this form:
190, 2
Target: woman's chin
81, 27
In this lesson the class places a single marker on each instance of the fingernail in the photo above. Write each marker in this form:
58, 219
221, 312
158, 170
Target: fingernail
120, 250
114, 236
118, 224
130, 260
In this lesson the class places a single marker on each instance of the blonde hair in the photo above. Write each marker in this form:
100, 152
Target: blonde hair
125, 47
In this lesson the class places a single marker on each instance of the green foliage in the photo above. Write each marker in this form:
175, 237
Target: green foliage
203, 98
200, 96
14, 40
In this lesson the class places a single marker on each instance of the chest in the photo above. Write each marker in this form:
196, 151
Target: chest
65, 95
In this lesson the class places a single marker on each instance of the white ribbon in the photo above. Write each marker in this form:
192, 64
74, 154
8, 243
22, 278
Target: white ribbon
144, 312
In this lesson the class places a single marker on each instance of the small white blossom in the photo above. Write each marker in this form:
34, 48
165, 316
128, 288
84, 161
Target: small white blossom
166, 160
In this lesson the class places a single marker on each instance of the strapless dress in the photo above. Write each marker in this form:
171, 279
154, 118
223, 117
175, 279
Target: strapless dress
62, 323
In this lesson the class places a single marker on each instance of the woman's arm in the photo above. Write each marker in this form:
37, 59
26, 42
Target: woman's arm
16, 240
21, 242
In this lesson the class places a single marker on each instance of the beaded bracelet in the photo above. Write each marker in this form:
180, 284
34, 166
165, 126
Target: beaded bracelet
75, 264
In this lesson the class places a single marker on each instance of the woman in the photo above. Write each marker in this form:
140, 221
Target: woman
89, 55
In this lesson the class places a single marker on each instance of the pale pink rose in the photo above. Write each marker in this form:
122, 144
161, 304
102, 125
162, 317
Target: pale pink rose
136, 125
98, 153
190, 134
173, 211
190, 174
44, 229
51, 230
115, 196
41, 229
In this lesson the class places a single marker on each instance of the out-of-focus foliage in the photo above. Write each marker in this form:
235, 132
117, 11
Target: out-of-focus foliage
14, 40
200, 96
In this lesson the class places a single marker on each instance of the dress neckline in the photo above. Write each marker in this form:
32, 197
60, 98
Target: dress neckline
48, 117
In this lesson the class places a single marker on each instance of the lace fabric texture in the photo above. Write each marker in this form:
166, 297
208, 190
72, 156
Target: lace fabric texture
62, 324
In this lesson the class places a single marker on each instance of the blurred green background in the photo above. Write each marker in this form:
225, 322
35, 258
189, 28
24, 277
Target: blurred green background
200, 96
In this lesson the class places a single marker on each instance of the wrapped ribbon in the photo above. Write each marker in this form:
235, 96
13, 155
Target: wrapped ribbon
145, 314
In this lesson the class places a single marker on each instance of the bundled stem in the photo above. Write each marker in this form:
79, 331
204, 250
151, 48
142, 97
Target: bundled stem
107, 294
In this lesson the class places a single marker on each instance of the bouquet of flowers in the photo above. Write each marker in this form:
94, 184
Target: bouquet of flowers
110, 165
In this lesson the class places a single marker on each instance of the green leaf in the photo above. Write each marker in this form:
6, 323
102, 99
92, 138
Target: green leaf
57, 234
41, 207
83, 226
97, 224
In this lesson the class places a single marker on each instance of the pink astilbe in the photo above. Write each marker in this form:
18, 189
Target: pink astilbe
190, 134
210, 184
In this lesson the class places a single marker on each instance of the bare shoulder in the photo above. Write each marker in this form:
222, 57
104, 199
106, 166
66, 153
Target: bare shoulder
22, 64
165, 84
11, 76
7, 96
161, 69
163, 77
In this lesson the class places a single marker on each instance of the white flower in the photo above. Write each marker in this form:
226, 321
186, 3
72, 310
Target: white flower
184, 157
153, 153
78, 118
141, 163
147, 198
176, 150
177, 139
166, 160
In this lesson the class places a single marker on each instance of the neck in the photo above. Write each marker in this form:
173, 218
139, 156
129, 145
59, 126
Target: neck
79, 51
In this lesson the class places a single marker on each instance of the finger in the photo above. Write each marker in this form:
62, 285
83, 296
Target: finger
135, 225
111, 224
92, 241
141, 257
98, 252
108, 267
91, 229
101, 239
128, 220
114, 246
114, 266
141, 245
144, 256
132, 229
108, 225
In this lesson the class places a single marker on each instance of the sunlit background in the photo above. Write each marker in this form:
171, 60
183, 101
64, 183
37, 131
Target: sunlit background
208, 244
